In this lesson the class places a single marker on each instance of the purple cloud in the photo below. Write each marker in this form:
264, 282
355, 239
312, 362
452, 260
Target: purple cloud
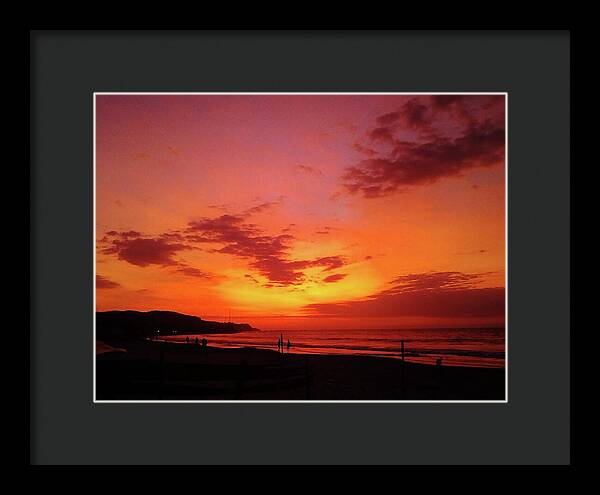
142, 251
428, 139
105, 283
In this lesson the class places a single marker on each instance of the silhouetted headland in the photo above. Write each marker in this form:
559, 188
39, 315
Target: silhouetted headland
125, 325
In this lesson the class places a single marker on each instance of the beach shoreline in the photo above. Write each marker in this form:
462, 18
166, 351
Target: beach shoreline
151, 370
482, 347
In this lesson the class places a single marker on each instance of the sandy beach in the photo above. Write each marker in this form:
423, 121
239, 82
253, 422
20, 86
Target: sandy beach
146, 370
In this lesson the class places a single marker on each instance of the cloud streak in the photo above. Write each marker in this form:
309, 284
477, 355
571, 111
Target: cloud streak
190, 271
438, 294
335, 278
105, 283
307, 169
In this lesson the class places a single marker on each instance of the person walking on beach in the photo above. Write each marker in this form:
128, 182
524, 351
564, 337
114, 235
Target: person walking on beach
278, 345
289, 344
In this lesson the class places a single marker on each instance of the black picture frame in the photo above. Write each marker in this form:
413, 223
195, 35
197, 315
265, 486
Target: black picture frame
67, 67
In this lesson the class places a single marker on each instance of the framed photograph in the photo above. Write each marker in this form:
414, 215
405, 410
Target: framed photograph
354, 252
354, 239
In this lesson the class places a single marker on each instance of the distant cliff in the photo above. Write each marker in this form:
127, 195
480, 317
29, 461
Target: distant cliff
137, 324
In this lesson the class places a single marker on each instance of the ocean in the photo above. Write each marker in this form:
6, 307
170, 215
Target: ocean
478, 347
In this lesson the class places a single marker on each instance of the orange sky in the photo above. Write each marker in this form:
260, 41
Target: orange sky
303, 211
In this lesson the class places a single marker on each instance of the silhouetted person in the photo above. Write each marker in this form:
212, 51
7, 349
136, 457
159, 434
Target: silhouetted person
196, 341
204, 342
289, 344
438, 361
187, 340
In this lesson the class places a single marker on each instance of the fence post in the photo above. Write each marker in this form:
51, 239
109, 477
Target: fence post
307, 378
402, 370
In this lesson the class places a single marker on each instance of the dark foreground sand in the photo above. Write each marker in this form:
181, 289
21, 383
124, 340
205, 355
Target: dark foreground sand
166, 371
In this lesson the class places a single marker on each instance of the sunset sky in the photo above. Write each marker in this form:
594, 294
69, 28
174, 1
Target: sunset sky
303, 211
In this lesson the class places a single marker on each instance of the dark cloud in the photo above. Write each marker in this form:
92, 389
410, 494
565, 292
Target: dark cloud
285, 272
105, 283
250, 277
335, 278
416, 115
433, 280
240, 238
364, 149
443, 101
441, 294
450, 134
261, 207
190, 271
309, 170
280, 271
269, 253
124, 235
329, 263
141, 251
173, 235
